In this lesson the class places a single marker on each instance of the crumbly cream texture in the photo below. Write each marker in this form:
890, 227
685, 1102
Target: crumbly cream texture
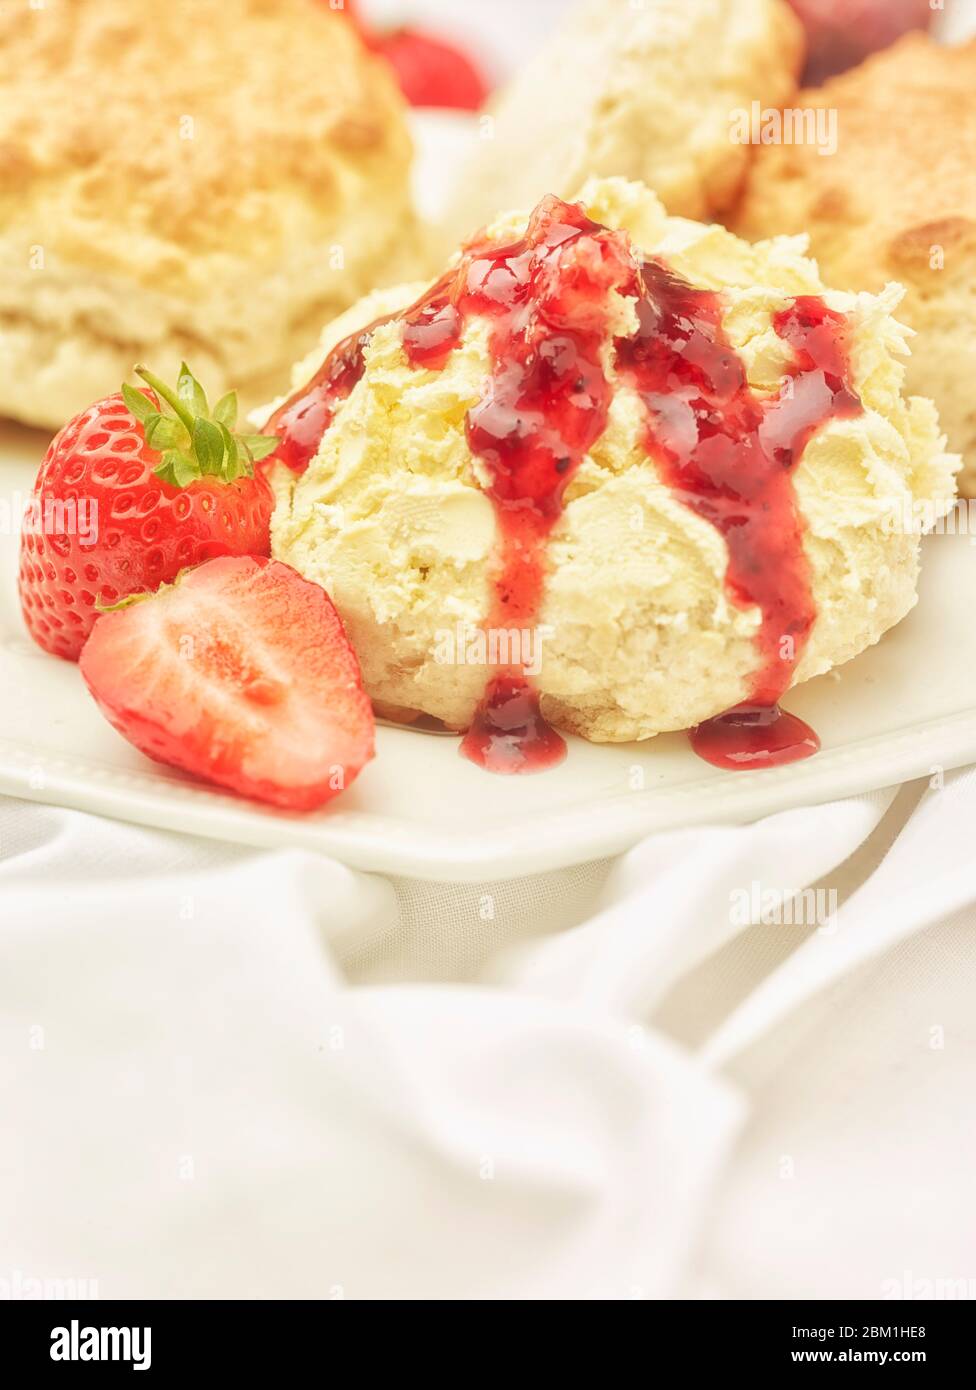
207, 179
391, 519
897, 201
643, 91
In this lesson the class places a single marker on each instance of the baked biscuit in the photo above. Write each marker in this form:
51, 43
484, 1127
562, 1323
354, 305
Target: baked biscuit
896, 202
641, 91
206, 179
644, 624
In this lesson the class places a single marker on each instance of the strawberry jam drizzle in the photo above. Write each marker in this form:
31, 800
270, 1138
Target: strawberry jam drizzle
302, 420
544, 406
729, 456
725, 452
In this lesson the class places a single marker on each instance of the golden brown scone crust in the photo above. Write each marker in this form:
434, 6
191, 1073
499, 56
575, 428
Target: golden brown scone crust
637, 91
201, 177
896, 202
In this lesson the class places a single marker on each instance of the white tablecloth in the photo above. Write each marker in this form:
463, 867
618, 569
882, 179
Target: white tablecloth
235, 1073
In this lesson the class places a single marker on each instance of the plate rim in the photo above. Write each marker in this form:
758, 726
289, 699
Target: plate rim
602, 827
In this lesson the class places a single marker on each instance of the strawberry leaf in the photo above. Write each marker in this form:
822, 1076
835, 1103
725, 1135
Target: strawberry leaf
225, 411
208, 445
190, 392
178, 468
259, 446
234, 465
163, 432
138, 402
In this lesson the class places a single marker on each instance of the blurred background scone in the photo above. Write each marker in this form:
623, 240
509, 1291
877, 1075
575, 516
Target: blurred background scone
896, 202
199, 178
640, 91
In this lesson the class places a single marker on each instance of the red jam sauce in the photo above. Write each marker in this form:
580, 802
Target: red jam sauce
305, 416
545, 404
729, 455
725, 451
509, 733
753, 736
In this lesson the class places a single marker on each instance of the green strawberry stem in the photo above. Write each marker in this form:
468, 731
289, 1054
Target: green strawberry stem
168, 395
194, 442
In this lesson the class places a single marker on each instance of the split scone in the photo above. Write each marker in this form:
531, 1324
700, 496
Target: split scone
196, 178
642, 91
897, 201
664, 471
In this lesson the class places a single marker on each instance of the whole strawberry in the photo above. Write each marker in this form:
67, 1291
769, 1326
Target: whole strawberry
129, 494
433, 72
430, 71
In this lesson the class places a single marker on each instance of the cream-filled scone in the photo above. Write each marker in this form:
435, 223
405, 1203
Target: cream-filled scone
206, 179
664, 470
643, 91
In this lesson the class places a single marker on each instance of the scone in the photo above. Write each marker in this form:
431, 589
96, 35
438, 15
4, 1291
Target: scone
642, 91
198, 178
663, 470
896, 202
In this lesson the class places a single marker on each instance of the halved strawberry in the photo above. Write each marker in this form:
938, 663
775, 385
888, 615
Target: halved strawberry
240, 672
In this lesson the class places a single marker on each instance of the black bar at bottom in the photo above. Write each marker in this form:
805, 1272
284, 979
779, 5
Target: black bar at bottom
166, 1339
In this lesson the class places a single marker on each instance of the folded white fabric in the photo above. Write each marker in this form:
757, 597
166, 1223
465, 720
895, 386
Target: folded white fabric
203, 1098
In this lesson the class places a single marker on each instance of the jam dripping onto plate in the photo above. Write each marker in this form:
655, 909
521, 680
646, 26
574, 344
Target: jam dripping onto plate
509, 733
544, 406
730, 455
726, 452
754, 736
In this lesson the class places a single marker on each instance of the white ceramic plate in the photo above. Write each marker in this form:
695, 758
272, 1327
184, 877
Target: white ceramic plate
897, 712
420, 809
